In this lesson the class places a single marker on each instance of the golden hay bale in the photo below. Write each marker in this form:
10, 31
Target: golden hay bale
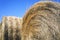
42, 22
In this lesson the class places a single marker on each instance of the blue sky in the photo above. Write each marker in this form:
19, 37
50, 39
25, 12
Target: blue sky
16, 7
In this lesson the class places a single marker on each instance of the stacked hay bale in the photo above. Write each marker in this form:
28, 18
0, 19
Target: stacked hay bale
11, 28
42, 22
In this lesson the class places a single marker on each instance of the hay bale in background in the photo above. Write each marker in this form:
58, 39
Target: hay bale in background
11, 28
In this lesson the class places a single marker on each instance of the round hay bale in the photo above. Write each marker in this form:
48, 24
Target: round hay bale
42, 22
